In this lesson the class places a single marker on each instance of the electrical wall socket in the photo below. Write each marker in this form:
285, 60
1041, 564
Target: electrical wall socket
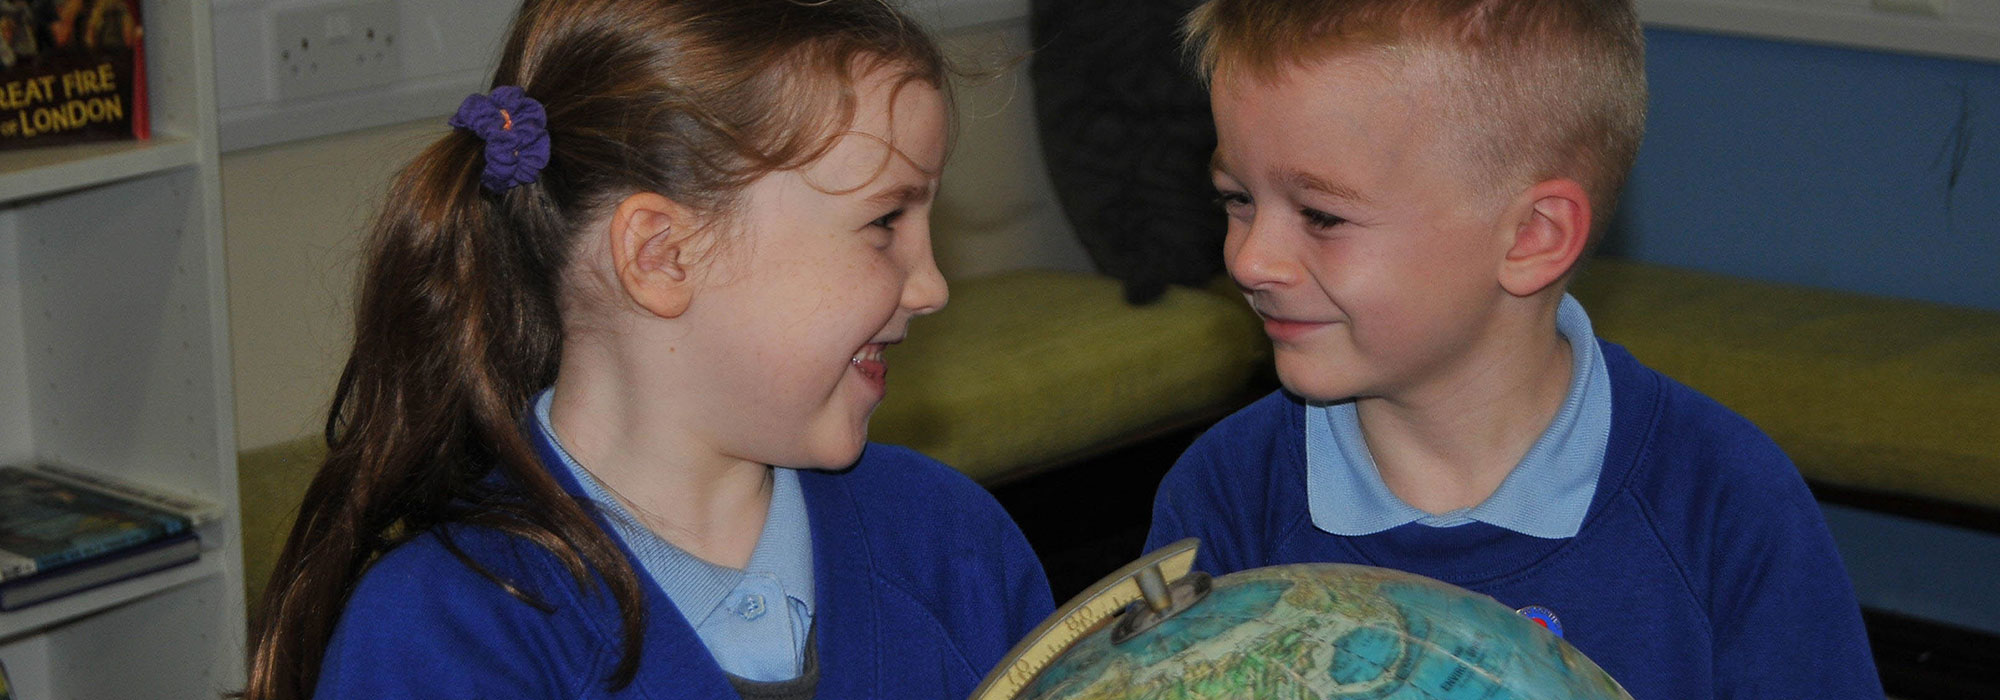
333, 47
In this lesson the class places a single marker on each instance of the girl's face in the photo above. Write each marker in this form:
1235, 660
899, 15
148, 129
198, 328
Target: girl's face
823, 268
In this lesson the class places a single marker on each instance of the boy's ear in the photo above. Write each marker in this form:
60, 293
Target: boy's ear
1550, 233
648, 233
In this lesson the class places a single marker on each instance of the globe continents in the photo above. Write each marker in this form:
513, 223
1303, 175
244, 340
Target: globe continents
1329, 631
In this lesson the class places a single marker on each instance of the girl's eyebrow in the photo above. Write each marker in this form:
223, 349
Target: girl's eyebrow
902, 195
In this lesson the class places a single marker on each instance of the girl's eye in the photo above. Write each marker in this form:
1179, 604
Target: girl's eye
888, 220
1321, 220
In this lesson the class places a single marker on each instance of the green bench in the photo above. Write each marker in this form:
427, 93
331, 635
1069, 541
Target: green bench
1869, 396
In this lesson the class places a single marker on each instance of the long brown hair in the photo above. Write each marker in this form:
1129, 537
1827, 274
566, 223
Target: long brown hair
458, 322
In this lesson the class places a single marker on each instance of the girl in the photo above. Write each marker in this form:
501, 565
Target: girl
662, 257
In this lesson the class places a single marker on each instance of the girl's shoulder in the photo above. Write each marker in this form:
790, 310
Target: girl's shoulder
436, 606
455, 565
908, 484
460, 574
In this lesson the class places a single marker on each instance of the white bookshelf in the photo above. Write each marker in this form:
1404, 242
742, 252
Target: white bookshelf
114, 358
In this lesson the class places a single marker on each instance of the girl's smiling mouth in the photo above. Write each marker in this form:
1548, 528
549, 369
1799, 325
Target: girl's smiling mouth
869, 363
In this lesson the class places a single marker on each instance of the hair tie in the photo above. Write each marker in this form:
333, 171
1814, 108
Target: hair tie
515, 129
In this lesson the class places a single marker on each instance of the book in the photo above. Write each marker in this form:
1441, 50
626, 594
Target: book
71, 71
101, 570
48, 521
197, 511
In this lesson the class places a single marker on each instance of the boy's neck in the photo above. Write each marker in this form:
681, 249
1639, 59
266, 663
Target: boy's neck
1448, 444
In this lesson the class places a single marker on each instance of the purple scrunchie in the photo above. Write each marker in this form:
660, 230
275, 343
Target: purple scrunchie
515, 129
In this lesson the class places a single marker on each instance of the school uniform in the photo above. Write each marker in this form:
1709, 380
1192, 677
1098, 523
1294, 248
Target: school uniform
920, 584
1665, 536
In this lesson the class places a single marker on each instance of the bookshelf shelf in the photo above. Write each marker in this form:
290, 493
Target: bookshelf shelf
36, 172
114, 359
37, 618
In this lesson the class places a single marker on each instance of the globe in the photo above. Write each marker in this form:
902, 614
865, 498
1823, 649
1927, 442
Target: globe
1321, 631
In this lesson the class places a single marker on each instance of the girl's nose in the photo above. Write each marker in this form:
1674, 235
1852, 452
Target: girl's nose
925, 291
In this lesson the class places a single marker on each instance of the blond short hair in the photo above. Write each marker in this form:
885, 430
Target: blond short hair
1536, 89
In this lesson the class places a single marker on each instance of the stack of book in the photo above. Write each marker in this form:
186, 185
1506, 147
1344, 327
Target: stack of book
64, 531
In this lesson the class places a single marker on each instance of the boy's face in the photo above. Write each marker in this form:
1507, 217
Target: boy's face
1372, 256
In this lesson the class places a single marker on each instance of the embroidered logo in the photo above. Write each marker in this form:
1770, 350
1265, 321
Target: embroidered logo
1544, 617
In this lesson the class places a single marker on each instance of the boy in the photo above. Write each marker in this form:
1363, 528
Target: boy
1410, 184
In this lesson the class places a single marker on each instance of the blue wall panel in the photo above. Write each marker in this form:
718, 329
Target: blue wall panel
1829, 167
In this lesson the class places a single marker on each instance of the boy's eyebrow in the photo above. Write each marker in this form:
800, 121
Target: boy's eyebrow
905, 194
1308, 181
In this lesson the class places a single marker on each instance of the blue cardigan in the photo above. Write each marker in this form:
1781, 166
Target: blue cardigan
922, 581
1703, 569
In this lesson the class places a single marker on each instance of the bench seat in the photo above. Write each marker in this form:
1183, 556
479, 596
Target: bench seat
1864, 393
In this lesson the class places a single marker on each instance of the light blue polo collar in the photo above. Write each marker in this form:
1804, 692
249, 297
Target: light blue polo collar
696, 587
1545, 496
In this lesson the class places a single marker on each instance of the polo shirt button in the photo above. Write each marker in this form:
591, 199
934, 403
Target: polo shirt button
751, 607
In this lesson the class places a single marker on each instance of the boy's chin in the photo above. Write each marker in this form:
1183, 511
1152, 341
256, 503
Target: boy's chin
1316, 384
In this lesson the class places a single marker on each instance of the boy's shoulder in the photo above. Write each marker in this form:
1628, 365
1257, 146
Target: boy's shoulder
1269, 423
1670, 419
1248, 468
1716, 491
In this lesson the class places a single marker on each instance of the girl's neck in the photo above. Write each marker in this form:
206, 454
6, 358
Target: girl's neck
1447, 445
706, 503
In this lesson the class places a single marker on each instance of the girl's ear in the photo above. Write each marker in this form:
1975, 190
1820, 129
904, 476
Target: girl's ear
1548, 236
648, 233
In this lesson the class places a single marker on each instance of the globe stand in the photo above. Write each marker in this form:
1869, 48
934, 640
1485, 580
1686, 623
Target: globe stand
1161, 601
1107, 602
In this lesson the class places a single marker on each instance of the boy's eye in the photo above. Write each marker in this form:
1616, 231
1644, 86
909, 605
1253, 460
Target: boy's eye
1232, 203
1321, 220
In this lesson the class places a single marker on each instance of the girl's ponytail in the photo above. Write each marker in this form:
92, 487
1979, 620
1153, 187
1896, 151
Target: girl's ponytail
456, 329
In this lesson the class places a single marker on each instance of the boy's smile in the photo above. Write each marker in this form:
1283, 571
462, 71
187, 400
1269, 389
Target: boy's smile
1366, 249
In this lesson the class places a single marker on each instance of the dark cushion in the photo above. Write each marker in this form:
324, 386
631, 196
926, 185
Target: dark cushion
1126, 134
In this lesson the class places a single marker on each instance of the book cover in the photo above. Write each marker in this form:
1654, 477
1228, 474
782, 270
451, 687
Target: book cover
71, 71
102, 570
47, 522
197, 511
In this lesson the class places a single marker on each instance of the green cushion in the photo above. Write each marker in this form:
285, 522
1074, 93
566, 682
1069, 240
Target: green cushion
270, 482
1863, 392
1031, 368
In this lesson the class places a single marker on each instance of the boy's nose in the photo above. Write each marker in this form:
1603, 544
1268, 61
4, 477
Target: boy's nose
1252, 258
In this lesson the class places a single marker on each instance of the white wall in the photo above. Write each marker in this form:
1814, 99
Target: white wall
293, 218
294, 215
